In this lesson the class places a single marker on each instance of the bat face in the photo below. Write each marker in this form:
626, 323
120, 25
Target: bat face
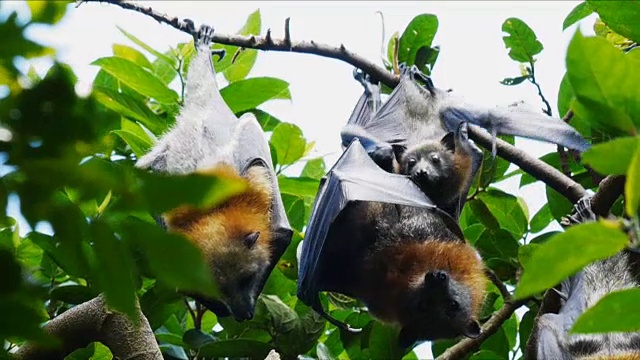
441, 308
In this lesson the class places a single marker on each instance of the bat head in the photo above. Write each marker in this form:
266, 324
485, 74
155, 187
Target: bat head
432, 166
441, 308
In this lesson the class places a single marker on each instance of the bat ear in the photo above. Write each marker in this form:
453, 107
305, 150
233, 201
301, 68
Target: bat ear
449, 141
472, 329
251, 239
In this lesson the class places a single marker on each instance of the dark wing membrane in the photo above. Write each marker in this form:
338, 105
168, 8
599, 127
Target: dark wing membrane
514, 120
252, 149
369, 102
354, 177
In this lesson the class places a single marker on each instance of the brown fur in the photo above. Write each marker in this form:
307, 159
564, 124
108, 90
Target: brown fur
403, 268
614, 357
462, 164
217, 230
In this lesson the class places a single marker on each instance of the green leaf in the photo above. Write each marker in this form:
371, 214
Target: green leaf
159, 303
235, 349
605, 84
73, 294
391, 47
621, 16
611, 314
289, 143
314, 168
251, 93
632, 184
419, 34
246, 59
173, 259
294, 207
139, 145
567, 253
578, 13
612, 157
157, 54
48, 12
514, 81
498, 244
383, 342
526, 328
306, 187
114, 269
93, 351
522, 42
132, 55
541, 219
138, 79
558, 204
507, 211
130, 108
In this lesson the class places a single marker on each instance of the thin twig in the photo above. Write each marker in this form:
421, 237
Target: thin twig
287, 32
506, 295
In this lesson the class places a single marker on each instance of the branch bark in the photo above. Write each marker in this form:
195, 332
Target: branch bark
94, 321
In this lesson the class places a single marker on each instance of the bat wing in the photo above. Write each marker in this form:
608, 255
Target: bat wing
514, 120
252, 149
354, 177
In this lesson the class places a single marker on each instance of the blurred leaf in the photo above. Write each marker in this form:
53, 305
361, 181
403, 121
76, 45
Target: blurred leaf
289, 143
138, 79
114, 269
15, 44
139, 145
620, 16
159, 303
129, 107
323, 352
132, 55
612, 157
48, 12
235, 349
93, 351
197, 339
578, 13
159, 55
567, 253
418, 35
632, 184
251, 93
187, 270
604, 81
73, 294
391, 47
485, 355
611, 314
522, 42
514, 81
314, 168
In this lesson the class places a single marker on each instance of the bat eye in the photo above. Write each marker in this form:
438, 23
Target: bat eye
454, 305
412, 162
435, 158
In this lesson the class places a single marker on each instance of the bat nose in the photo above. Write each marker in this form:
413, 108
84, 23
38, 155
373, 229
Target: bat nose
243, 315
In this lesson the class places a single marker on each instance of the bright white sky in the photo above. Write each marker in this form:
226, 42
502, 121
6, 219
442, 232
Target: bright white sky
472, 59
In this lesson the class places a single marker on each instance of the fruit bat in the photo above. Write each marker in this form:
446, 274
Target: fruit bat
243, 238
417, 113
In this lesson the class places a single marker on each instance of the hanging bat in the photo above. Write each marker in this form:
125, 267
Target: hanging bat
244, 237
421, 131
375, 236
580, 292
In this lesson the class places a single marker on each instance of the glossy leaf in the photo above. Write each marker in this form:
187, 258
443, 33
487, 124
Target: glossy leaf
567, 253
138, 79
632, 184
605, 84
314, 168
251, 93
289, 143
418, 35
267, 121
578, 13
522, 42
611, 314
612, 157
620, 16
131, 54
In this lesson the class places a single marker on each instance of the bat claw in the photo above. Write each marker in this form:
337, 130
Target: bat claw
220, 52
204, 35
582, 212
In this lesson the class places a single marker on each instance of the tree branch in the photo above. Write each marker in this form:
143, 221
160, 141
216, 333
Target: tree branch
94, 321
538, 169
467, 346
